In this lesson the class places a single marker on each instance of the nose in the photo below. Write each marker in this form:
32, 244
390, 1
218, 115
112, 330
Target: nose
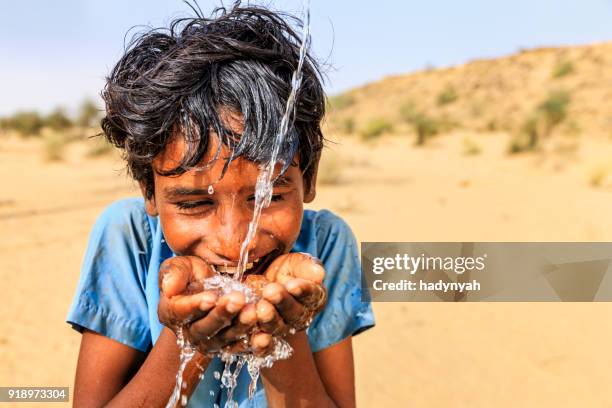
230, 232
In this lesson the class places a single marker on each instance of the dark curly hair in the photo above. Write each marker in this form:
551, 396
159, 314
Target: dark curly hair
179, 80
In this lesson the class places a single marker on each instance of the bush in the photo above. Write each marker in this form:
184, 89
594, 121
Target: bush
55, 144
562, 69
375, 128
424, 127
553, 110
347, 126
470, 148
340, 102
448, 95
89, 114
519, 143
25, 123
408, 112
548, 114
57, 120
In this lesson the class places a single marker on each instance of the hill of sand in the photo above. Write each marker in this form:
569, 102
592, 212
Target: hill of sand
494, 94
460, 186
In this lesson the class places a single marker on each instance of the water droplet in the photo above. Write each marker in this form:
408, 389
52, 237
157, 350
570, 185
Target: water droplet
212, 393
211, 189
217, 375
183, 400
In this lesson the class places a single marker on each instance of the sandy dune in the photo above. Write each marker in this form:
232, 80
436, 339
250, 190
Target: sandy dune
472, 355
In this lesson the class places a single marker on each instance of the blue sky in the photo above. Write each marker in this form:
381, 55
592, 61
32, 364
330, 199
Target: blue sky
56, 53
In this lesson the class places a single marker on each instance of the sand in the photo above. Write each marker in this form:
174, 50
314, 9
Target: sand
419, 354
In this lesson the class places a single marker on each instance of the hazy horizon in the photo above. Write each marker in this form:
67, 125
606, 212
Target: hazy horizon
63, 53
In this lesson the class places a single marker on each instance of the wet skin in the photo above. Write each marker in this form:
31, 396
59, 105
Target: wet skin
208, 229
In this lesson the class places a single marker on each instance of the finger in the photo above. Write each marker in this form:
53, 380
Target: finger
218, 318
177, 273
261, 343
268, 318
246, 320
174, 276
200, 270
287, 306
296, 265
310, 268
182, 309
307, 293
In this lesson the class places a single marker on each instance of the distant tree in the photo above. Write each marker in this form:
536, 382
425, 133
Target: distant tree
58, 120
375, 128
340, 102
553, 110
562, 69
448, 95
89, 114
424, 127
539, 124
25, 123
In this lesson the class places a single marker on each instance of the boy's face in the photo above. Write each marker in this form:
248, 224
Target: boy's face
213, 226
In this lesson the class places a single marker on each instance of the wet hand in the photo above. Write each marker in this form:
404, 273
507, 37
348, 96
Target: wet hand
294, 295
210, 322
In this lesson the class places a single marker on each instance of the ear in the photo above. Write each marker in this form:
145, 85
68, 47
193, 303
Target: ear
150, 206
310, 189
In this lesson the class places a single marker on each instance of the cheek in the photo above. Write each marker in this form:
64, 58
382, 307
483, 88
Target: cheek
284, 222
181, 233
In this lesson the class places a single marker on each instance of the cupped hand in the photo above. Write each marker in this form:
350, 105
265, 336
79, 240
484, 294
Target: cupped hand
293, 297
210, 322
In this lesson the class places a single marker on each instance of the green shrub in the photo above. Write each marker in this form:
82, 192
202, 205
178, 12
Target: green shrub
58, 120
347, 126
528, 136
548, 114
55, 145
424, 127
25, 123
562, 69
375, 128
339, 102
470, 148
554, 109
448, 95
89, 114
408, 111
492, 125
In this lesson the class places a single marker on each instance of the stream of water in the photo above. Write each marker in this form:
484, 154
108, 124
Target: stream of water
223, 284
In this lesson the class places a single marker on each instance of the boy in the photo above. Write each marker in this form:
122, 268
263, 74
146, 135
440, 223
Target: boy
196, 110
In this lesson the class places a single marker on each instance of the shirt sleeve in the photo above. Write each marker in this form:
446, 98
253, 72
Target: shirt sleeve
346, 313
110, 297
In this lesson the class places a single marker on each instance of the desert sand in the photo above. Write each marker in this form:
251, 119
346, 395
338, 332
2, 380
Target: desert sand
419, 354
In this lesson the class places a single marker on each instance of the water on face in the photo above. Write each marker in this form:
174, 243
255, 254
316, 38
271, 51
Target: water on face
222, 284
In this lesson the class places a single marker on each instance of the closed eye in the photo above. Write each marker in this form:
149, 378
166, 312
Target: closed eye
186, 205
275, 197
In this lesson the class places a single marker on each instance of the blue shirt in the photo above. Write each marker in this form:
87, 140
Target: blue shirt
118, 293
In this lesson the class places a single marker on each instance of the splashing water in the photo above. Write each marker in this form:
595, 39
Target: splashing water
263, 187
187, 353
263, 194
